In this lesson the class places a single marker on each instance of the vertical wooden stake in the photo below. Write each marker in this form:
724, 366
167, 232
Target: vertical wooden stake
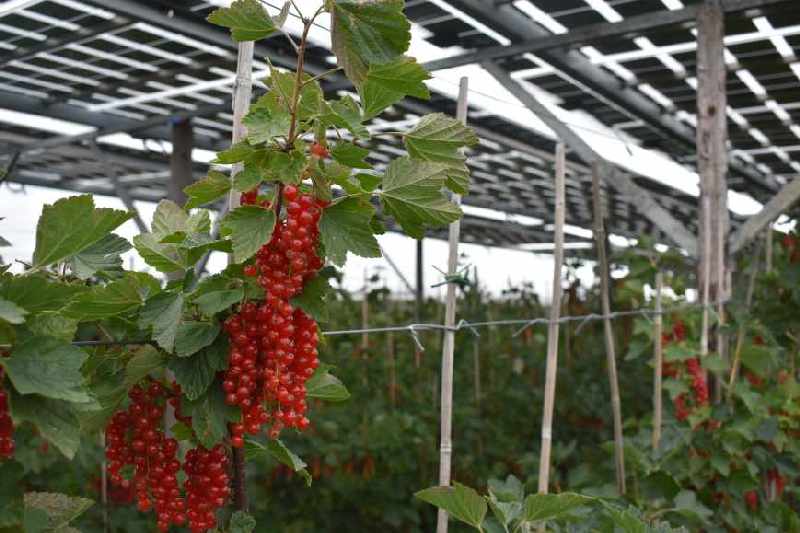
611, 357
658, 363
365, 314
705, 273
446, 443
552, 331
768, 251
242, 93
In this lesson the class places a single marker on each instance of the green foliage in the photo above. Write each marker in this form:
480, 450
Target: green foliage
209, 189
345, 227
248, 20
325, 386
59, 509
242, 522
250, 228
49, 367
278, 451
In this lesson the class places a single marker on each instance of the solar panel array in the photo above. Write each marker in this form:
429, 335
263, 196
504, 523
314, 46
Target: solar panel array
122, 67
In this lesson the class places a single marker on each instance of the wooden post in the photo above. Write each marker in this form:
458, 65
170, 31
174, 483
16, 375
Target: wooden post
365, 313
712, 163
768, 251
552, 331
180, 161
242, 93
611, 358
448, 346
658, 363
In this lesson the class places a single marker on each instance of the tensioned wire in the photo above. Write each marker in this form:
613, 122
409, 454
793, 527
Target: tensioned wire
415, 328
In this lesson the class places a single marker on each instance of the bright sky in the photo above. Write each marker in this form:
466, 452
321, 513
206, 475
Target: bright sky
498, 267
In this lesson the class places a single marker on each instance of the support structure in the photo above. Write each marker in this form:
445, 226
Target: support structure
448, 345
712, 136
658, 363
786, 197
637, 196
420, 289
611, 357
552, 330
242, 93
180, 161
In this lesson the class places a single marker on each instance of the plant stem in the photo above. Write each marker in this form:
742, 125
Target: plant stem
298, 81
239, 481
320, 76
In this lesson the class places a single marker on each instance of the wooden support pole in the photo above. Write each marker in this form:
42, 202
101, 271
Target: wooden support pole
180, 160
552, 330
786, 198
768, 245
242, 93
365, 313
611, 357
448, 345
420, 293
658, 363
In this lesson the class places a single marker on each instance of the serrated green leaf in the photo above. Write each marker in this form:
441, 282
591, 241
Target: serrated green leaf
284, 167
194, 374
248, 20
412, 194
181, 431
507, 491
678, 352
345, 227
759, 359
53, 324
168, 218
165, 258
11, 312
350, 155
211, 415
237, 153
70, 226
145, 361
217, 301
212, 187
714, 363
36, 293
264, 124
102, 256
248, 178
193, 336
368, 32
118, 297
369, 182
325, 386
440, 139
278, 451
242, 522
55, 420
460, 502
47, 366
250, 227
313, 299
686, 503
60, 509
346, 113
163, 313
542, 507
389, 83
35, 520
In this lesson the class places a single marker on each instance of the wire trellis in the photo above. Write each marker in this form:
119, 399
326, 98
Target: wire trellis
414, 329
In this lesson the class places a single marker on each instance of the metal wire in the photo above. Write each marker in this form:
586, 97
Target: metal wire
414, 329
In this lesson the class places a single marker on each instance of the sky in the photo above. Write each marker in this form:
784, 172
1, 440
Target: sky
497, 267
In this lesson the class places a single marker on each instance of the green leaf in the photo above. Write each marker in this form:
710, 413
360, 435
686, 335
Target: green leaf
53, 324
505, 512
440, 139
70, 226
214, 302
350, 155
168, 218
146, 360
102, 256
193, 336
237, 153
211, 415
250, 227
541, 507
368, 32
759, 359
389, 83
35, 520
242, 522
314, 298
47, 366
412, 194
55, 420
714, 363
278, 451
116, 298
686, 503
460, 502
346, 113
265, 124
11, 312
248, 20
36, 293
678, 352
345, 227
163, 313
59, 509
284, 167
507, 491
181, 431
212, 187
194, 374
325, 386
165, 258
248, 178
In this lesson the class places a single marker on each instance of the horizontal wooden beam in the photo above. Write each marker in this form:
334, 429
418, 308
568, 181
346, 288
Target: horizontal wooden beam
753, 226
592, 33
637, 196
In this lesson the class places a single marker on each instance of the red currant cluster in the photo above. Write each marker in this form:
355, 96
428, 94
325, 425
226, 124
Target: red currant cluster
207, 486
134, 437
274, 346
6, 425
699, 387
